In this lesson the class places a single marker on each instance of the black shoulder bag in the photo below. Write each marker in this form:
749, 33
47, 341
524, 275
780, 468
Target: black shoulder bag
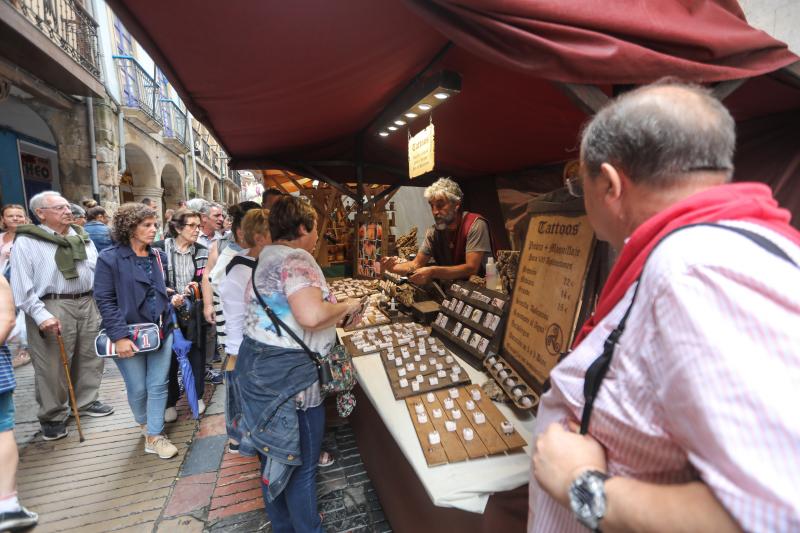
598, 369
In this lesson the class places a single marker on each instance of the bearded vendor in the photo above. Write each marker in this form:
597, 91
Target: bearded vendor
459, 243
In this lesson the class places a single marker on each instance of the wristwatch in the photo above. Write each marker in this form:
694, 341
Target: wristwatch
587, 497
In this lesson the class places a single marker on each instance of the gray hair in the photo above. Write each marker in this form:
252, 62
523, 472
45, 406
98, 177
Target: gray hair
444, 187
200, 205
37, 201
659, 133
77, 211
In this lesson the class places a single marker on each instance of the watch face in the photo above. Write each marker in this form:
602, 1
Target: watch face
587, 498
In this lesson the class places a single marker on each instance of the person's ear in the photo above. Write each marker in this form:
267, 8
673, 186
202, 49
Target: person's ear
612, 183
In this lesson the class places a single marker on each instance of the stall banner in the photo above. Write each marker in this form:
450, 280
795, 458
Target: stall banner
550, 280
421, 152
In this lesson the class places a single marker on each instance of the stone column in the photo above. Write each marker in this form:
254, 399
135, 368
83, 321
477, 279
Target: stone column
154, 193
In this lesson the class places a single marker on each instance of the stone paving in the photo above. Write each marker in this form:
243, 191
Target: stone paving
108, 483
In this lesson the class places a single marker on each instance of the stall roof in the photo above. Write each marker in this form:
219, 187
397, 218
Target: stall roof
290, 82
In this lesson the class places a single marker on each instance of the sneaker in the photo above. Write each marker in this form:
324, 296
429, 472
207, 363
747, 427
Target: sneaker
96, 409
20, 519
233, 447
201, 406
160, 445
171, 414
54, 431
213, 376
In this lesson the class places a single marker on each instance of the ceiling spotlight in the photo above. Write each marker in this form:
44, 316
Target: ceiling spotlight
411, 115
424, 107
442, 96
393, 128
384, 134
400, 122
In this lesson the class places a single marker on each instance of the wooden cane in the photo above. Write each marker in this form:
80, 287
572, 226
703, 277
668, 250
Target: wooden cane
69, 385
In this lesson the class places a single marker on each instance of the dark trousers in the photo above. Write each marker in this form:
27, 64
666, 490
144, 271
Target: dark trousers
295, 509
197, 360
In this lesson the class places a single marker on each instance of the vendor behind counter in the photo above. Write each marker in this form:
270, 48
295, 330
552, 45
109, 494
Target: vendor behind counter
459, 242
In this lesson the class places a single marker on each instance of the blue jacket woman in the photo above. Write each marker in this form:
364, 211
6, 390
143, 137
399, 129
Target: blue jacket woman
129, 288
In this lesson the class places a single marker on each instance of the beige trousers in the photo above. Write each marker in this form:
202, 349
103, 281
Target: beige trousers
80, 322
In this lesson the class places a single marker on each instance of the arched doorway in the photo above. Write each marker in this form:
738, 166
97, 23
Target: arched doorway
172, 183
139, 176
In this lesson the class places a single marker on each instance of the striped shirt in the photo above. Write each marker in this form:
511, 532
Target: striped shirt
184, 267
34, 273
703, 384
7, 380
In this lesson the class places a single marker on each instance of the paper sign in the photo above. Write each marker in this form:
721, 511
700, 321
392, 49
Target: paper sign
420, 152
550, 280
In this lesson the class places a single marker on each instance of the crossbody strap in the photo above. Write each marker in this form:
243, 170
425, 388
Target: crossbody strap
599, 367
278, 323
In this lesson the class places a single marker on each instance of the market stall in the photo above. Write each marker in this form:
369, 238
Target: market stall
485, 94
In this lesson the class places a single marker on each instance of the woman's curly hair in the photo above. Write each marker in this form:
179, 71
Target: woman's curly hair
126, 218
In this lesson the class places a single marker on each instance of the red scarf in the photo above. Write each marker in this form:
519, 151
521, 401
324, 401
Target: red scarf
749, 202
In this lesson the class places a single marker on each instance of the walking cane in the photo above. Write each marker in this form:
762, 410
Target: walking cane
69, 385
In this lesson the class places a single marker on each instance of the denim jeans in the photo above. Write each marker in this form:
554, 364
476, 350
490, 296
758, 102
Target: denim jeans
146, 376
295, 508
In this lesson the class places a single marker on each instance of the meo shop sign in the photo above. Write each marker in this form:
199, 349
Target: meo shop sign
421, 152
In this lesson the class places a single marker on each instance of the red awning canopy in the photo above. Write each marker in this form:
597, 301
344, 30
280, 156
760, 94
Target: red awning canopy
286, 82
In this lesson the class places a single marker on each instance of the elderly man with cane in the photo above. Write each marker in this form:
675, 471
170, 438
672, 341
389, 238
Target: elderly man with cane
52, 274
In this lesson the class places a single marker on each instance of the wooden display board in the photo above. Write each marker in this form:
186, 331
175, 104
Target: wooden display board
375, 339
550, 279
488, 437
437, 368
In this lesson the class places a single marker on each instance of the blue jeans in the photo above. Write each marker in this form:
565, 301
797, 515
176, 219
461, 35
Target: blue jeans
6, 411
146, 376
295, 509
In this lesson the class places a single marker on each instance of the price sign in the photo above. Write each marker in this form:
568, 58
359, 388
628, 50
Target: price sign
550, 280
421, 152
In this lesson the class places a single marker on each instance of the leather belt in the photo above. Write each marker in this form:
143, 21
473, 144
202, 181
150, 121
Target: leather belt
66, 296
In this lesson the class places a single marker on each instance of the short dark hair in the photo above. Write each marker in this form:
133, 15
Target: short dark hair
660, 133
272, 191
286, 216
94, 212
238, 211
148, 202
178, 220
126, 218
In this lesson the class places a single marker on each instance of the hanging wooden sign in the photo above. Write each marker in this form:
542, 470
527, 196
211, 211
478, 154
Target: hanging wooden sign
421, 152
550, 280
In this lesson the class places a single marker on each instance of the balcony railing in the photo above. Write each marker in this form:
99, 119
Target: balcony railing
174, 121
139, 90
69, 25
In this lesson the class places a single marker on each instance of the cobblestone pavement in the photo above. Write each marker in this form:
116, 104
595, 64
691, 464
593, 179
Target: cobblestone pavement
108, 483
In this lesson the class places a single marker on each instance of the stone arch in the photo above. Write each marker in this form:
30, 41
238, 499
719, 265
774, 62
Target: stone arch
172, 184
215, 192
139, 179
207, 189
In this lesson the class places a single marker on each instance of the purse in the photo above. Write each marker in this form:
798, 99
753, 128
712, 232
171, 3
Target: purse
146, 337
335, 369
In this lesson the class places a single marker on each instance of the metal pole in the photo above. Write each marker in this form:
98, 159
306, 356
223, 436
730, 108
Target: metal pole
92, 148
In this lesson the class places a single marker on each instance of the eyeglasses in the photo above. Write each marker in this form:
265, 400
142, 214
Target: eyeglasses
575, 186
63, 207
191, 226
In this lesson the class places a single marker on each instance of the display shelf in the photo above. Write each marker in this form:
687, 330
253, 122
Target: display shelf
511, 382
474, 326
469, 354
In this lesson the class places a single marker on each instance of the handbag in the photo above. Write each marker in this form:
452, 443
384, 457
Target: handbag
146, 337
335, 369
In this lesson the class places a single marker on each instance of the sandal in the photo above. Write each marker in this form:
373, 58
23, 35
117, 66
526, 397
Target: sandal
325, 459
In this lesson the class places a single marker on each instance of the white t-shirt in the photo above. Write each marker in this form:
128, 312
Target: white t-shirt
234, 293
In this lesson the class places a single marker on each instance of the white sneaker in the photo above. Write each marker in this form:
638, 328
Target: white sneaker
201, 406
161, 446
171, 414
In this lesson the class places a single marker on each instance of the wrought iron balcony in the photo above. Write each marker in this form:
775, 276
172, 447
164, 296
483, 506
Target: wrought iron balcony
65, 24
174, 125
140, 94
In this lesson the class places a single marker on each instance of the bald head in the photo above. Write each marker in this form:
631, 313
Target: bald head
661, 135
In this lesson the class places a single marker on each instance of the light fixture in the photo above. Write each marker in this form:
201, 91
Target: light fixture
421, 97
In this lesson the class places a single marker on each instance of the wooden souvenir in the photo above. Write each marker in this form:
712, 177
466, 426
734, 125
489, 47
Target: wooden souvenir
437, 373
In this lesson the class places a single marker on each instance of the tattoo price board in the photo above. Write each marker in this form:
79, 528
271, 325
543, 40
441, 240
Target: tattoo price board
550, 280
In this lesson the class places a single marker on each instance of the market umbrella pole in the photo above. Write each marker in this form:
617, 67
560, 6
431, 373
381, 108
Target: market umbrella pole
69, 385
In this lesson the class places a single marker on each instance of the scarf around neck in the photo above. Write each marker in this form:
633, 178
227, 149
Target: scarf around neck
71, 248
746, 202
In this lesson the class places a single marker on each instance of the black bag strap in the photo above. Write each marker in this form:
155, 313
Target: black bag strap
599, 367
249, 262
278, 323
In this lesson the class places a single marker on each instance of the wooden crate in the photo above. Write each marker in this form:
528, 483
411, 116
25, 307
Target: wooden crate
488, 438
